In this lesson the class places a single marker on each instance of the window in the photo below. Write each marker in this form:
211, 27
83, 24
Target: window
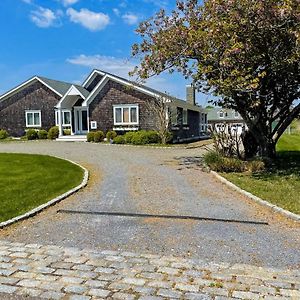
33, 118
236, 114
126, 114
221, 114
66, 118
185, 116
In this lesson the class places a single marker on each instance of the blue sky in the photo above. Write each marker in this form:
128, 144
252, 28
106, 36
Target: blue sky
66, 39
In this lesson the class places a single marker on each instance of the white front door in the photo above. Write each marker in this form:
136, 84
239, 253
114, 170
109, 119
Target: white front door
81, 120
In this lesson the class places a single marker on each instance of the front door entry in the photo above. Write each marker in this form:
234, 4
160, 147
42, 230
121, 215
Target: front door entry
81, 120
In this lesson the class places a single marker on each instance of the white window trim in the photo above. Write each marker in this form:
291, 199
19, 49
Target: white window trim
63, 117
27, 112
223, 114
126, 106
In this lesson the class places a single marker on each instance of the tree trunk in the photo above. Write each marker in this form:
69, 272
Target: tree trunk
267, 149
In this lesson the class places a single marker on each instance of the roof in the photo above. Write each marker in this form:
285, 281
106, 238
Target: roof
82, 90
175, 100
213, 114
60, 86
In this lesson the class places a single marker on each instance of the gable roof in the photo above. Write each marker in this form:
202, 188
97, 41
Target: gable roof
213, 114
140, 87
58, 87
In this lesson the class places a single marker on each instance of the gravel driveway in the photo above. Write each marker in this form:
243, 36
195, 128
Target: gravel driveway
156, 181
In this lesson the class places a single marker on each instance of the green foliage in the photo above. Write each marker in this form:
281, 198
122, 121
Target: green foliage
31, 134
90, 136
53, 133
219, 44
110, 135
67, 131
98, 136
3, 134
219, 163
128, 136
120, 139
42, 134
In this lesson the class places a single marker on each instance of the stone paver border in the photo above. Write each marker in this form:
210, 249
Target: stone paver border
57, 199
274, 207
54, 272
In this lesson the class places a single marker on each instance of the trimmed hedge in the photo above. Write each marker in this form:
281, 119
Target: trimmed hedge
53, 133
110, 135
120, 139
3, 134
42, 134
98, 136
90, 136
31, 134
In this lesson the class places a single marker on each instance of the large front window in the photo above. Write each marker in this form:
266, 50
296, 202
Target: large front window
33, 118
126, 114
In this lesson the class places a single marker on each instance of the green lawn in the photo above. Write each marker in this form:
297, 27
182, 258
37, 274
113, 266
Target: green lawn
27, 181
281, 184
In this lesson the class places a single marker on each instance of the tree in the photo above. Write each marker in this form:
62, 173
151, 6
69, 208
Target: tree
245, 52
160, 109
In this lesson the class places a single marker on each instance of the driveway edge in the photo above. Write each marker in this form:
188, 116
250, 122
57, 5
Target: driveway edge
57, 199
274, 207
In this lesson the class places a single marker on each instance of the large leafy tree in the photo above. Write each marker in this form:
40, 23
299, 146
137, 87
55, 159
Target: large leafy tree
246, 52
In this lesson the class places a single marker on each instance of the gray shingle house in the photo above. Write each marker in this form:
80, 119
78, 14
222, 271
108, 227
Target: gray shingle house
103, 102
223, 119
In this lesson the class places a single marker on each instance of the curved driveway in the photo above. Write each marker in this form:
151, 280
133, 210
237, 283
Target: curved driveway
156, 181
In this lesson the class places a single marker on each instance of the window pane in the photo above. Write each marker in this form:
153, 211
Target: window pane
37, 119
133, 115
184, 116
125, 115
67, 118
29, 118
118, 115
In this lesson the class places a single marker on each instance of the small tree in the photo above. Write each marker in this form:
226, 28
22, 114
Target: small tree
246, 52
160, 109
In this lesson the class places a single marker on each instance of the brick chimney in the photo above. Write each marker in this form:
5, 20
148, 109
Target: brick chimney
191, 94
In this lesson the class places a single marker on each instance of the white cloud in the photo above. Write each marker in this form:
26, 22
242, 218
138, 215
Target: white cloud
116, 11
44, 17
118, 66
130, 19
88, 19
69, 2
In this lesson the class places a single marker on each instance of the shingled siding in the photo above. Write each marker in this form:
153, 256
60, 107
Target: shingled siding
101, 109
191, 131
34, 97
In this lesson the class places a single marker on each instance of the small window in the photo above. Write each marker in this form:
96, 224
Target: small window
185, 116
66, 118
33, 118
236, 114
221, 114
126, 115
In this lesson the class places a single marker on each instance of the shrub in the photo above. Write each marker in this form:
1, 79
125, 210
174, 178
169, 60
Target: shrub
153, 136
53, 133
140, 138
42, 134
219, 163
255, 166
128, 136
110, 135
90, 136
120, 139
98, 136
67, 131
31, 134
169, 137
3, 134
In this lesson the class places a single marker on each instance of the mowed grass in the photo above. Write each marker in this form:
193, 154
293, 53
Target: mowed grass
280, 184
27, 181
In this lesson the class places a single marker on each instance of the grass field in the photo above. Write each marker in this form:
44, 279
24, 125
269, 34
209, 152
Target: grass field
27, 181
279, 185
